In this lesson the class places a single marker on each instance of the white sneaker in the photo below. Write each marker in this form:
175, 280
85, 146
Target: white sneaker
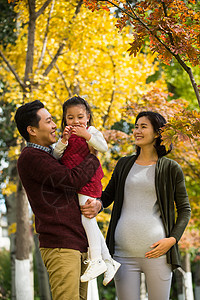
112, 267
95, 268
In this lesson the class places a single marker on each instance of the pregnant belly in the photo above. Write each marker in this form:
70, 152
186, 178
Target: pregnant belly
133, 238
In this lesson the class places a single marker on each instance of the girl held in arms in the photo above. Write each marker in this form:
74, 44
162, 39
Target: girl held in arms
78, 139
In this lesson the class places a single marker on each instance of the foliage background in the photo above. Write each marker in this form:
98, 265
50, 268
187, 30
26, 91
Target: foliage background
78, 51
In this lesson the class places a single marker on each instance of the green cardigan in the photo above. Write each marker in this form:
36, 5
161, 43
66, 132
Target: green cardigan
170, 190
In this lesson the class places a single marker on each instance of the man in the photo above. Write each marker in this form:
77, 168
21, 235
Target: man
52, 192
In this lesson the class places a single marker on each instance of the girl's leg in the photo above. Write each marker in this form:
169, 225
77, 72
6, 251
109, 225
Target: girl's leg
127, 279
97, 249
112, 265
96, 266
158, 276
92, 231
104, 249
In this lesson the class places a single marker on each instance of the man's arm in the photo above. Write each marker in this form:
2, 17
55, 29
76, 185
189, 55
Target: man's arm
43, 168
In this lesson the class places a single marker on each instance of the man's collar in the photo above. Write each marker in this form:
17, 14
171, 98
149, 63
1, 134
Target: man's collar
46, 149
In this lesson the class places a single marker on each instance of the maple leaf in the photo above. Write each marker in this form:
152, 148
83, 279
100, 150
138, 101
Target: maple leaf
172, 27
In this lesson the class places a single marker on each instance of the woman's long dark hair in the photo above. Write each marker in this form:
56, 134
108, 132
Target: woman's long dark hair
157, 121
76, 100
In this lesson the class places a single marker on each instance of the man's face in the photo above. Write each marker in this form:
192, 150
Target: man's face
45, 134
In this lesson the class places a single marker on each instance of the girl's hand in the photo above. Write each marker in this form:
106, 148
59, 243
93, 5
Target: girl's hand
161, 247
66, 134
81, 130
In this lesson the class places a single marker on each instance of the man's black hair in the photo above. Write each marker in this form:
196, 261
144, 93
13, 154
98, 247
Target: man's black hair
26, 115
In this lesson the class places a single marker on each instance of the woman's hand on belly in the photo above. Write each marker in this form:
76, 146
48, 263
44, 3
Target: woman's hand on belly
161, 247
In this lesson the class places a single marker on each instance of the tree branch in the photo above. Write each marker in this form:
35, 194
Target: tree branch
23, 86
140, 21
62, 45
181, 62
41, 10
56, 96
193, 169
176, 56
195, 149
113, 92
78, 8
31, 37
45, 37
62, 76
54, 60
31, 41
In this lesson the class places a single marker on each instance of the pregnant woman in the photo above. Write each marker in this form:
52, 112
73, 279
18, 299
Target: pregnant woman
147, 189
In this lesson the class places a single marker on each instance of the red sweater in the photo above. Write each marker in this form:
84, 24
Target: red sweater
74, 154
52, 192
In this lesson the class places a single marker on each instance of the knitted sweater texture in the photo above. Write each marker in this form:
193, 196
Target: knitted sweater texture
52, 192
74, 154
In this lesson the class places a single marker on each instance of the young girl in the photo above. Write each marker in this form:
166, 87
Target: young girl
78, 136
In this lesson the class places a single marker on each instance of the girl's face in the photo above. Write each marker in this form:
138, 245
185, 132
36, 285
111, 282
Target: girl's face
77, 115
144, 133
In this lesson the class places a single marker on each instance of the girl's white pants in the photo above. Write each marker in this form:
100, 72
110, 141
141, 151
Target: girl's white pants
96, 241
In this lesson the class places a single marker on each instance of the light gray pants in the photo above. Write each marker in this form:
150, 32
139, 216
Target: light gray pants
157, 272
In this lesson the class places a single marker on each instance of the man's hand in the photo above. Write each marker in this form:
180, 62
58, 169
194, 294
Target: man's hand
161, 247
81, 130
91, 208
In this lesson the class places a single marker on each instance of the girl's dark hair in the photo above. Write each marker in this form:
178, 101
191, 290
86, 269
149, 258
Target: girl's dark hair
157, 121
76, 100
26, 115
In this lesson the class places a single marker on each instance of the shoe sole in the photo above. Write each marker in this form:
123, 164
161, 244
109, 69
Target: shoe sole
99, 273
117, 267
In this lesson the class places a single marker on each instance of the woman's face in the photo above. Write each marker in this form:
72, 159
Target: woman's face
77, 115
144, 133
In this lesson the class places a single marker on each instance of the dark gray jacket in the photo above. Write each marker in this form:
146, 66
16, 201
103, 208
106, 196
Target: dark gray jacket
170, 190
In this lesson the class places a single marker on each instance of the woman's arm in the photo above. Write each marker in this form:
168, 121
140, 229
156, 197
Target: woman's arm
183, 215
182, 205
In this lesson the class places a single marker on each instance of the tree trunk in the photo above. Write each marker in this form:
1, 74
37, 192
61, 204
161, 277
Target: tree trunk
188, 278
23, 279
11, 217
180, 284
143, 291
197, 279
43, 279
31, 41
10, 202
